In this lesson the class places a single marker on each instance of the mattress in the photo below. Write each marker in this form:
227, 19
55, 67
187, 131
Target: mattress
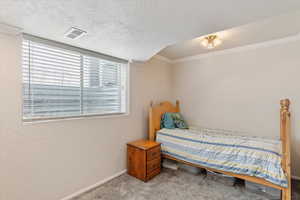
225, 150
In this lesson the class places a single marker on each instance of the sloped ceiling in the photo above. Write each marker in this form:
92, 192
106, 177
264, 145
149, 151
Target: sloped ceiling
272, 28
135, 29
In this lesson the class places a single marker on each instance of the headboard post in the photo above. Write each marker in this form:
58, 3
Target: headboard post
177, 106
155, 113
285, 131
151, 134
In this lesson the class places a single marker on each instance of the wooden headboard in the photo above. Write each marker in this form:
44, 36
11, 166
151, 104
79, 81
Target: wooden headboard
155, 113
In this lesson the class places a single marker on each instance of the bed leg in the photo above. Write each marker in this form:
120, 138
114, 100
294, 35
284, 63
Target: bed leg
286, 194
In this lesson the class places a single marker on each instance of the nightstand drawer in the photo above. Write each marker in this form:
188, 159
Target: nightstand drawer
153, 153
153, 164
152, 174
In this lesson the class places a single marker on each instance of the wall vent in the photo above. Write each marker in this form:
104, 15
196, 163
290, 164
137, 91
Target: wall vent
75, 33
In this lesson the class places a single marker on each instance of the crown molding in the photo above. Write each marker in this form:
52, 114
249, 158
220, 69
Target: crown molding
9, 30
240, 49
159, 57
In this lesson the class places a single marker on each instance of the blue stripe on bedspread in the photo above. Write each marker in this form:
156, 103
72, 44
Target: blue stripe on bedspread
260, 160
220, 144
241, 159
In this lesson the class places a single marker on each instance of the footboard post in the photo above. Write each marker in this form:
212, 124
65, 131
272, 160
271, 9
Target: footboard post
285, 139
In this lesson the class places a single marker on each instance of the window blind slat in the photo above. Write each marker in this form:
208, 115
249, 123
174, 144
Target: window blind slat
52, 65
61, 83
102, 86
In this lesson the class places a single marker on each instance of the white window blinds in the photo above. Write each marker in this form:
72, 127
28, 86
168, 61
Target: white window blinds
60, 83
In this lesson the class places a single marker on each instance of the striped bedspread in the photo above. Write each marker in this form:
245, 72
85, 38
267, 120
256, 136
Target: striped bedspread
223, 150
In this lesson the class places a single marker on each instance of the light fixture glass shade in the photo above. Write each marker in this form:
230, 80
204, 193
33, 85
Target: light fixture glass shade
204, 42
211, 41
217, 42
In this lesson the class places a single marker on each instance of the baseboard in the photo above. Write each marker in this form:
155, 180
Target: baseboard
93, 186
108, 179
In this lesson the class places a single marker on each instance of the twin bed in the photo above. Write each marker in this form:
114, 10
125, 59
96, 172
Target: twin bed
254, 159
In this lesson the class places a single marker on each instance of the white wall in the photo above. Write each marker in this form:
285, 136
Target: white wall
47, 161
241, 91
51, 160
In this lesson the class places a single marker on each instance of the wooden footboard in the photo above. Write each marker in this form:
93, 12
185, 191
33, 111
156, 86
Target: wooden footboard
285, 127
155, 113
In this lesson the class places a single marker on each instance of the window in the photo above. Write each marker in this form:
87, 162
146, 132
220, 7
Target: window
61, 81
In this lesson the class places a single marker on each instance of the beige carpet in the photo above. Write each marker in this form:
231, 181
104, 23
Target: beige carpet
176, 185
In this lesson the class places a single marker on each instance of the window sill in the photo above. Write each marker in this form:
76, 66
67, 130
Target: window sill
60, 119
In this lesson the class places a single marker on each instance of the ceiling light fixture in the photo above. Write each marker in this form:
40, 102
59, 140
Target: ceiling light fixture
211, 41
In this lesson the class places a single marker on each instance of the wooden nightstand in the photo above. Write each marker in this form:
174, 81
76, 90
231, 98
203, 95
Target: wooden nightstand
143, 159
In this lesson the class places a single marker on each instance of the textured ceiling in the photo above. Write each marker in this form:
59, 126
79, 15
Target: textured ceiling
135, 29
264, 30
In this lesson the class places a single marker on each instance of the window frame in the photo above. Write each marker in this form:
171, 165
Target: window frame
82, 52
